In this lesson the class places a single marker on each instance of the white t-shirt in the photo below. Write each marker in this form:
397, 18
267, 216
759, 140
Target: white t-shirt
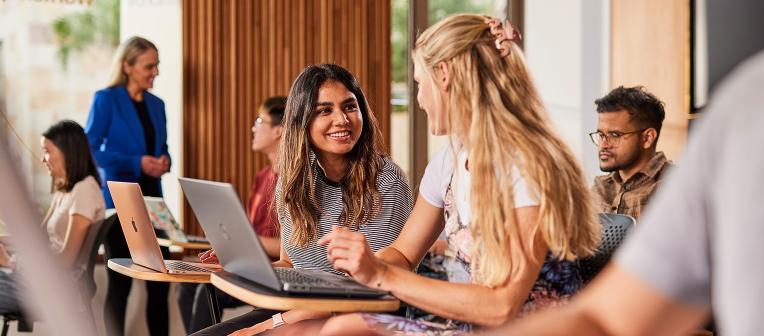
437, 177
85, 199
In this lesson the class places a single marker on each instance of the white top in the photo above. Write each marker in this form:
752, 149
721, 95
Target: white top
699, 242
437, 177
85, 199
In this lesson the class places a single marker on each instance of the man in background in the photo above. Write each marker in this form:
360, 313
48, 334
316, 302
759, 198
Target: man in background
628, 128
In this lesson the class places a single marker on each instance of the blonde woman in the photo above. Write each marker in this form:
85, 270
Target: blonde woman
127, 132
516, 209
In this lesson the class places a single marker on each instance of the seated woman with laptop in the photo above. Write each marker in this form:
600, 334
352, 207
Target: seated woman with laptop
516, 207
77, 202
333, 171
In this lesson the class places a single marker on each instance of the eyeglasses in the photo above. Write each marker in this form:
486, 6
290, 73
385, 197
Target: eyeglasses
260, 121
613, 137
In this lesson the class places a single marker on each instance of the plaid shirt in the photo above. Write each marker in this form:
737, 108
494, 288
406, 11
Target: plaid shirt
630, 197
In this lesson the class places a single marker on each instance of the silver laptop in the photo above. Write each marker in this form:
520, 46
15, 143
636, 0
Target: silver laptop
165, 223
225, 223
139, 232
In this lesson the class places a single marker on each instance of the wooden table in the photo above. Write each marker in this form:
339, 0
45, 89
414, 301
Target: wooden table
126, 267
260, 296
185, 245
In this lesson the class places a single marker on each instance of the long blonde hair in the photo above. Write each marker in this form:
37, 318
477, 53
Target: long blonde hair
493, 107
128, 52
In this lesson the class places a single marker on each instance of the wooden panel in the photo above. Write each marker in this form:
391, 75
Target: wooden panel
236, 53
651, 47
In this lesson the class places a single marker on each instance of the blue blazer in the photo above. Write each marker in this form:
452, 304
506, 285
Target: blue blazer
116, 137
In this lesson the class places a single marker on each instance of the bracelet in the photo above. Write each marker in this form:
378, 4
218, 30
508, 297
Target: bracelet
382, 277
278, 320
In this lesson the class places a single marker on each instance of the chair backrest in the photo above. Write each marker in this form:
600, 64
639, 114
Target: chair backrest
89, 254
615, 228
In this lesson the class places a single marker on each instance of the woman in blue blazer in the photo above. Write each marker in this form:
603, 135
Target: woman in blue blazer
127, 132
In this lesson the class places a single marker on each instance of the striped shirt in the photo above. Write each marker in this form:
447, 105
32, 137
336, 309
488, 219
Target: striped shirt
380, 231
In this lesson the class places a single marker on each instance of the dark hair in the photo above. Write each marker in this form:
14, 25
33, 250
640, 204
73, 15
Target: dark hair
643, 107
275, 107
360, 197
70, 139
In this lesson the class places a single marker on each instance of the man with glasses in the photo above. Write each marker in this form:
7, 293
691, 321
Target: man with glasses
266, 138
628, 127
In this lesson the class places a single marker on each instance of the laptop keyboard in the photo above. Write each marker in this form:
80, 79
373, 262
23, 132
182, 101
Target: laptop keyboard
289, 275
184, 267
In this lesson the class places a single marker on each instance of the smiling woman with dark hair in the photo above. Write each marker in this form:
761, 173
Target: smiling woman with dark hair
77, 201
333, 175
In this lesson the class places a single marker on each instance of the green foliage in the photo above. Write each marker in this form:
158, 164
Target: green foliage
399, 40
97, 24
438, 10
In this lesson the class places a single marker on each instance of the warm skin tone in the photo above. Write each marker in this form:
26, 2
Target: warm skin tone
53, 159
265, 139
631, 152
391, 268
638, 309
335, 128
332, 133
140, 77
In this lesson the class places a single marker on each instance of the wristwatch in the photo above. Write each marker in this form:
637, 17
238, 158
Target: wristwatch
278, 320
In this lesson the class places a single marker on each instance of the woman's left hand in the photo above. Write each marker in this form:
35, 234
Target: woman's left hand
349, 252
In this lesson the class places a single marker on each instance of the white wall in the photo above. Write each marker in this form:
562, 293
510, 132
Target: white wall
160, 21
567, 50
36, 89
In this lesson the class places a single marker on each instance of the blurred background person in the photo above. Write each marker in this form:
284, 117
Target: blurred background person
77, 203
628, 126
128, 135
266, 138
693, 253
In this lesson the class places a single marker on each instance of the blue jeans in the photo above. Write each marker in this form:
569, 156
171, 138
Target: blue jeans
9, 303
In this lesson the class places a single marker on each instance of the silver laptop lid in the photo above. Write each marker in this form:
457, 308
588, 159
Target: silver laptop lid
225, 223
134, 218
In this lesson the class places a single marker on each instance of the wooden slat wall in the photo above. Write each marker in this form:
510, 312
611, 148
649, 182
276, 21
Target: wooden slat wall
651, 47
236, 53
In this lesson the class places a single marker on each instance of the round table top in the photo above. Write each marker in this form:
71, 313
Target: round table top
262, 297
125, 266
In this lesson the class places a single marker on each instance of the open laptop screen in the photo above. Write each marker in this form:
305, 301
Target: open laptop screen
162, 219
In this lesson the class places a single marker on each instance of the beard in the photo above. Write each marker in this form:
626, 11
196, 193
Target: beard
621, 162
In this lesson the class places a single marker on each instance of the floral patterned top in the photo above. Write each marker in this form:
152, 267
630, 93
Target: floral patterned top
557, 281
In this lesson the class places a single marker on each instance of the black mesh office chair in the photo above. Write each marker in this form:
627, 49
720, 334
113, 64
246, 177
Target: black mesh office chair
615, 228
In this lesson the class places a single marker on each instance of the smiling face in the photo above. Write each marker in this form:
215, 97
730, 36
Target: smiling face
429, 101
142, 73
53, 159
336, 123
